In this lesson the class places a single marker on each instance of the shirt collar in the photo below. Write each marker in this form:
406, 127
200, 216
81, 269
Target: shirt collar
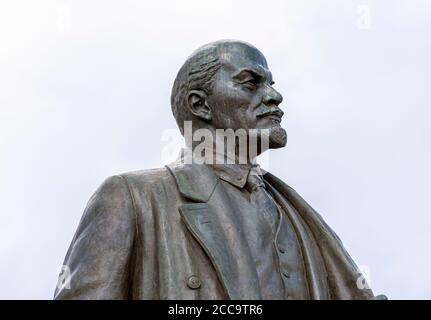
235, 174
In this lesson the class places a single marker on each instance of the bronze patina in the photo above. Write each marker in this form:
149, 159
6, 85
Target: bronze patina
210, 230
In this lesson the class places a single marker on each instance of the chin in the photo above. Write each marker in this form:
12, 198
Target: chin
277, 138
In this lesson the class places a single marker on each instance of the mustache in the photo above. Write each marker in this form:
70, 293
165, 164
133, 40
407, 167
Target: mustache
264, 111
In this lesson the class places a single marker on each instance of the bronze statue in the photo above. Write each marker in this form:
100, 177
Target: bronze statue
218, 230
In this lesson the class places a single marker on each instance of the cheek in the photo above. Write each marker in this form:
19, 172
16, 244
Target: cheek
248, 110
236, 108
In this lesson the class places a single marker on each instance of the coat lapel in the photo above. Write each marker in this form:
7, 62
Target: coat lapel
211, 225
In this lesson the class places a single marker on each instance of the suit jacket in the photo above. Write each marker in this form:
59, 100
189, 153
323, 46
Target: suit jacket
169, 233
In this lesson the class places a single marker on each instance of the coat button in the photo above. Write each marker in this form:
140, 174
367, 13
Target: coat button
193, 282
281, 248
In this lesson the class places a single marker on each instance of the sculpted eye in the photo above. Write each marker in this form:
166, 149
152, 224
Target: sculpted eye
248, 80
250, 84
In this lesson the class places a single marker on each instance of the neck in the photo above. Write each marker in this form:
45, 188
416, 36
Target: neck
213, 155
213, 146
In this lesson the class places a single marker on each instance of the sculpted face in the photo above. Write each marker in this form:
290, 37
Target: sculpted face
242, 95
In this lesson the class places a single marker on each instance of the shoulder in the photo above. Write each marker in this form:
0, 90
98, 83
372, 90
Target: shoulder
121, 191
145, 175
147, 178
112, 190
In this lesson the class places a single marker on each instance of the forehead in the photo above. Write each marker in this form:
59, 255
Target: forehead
237, 57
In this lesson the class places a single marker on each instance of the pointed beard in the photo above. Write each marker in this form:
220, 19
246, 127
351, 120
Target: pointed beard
277, 138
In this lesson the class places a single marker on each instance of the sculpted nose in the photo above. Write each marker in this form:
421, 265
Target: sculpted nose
272, 96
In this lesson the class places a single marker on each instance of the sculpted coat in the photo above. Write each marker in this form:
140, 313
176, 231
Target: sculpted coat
184, 232
170, 233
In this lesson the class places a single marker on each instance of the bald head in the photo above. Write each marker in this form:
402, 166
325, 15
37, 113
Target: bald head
227, 85
199, 70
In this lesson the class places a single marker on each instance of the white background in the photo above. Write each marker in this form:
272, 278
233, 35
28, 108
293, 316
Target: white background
84, 94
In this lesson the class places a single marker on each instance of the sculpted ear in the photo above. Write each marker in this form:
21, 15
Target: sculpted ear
198, 105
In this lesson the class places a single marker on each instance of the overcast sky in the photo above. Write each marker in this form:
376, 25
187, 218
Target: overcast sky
84, 94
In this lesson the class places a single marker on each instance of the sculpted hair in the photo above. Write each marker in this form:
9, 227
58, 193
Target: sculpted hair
197, 73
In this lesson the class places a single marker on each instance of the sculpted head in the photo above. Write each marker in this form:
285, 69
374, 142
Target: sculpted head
227, 85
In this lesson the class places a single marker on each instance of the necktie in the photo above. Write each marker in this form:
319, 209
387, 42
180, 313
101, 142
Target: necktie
262, 200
